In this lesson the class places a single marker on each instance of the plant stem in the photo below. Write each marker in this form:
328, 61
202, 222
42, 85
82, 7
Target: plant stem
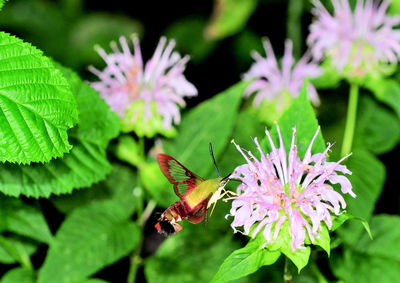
287, 275
293, 24
135, 258
350, 120
317, 272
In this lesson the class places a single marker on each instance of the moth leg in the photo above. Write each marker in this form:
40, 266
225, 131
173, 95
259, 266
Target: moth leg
212, 210
228, 194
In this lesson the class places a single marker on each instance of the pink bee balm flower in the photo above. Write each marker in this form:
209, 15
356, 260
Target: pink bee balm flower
356, 41
126, 80
271, 81
280, 187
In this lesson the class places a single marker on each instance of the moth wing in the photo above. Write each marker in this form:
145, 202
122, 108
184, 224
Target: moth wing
183, 179
198, 217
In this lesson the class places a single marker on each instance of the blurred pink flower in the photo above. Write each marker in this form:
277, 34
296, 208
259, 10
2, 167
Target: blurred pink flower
280, 187
360, 39
161, 81
271, 81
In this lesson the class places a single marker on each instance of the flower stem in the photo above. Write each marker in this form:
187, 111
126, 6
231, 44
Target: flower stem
135, 258
287, 275
350, 120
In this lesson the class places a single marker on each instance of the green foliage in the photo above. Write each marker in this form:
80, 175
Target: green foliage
367, 179
25, 220
190, 39
83, 166
36, 102
386, 91
73, 34
378, 129
244, 43
119, 186
283, 243
324, 240
1, 4
190, 146
300, 115
90, 238
330, 78
16, 249
245, 261
189, 257
98, 29
20, 275
373, 261
246, 126
229, 17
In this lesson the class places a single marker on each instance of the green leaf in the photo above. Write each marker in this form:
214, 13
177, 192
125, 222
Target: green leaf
36, 102
300, 115
283, 243
83, 166
367, 179
245, 261
98, 29
20, 275
119, 186
373, 261
337, 221
16, 249
378, 129
246, 127
1, 4
188, 257
190, 39
324, 240
386, 91
229, 17
90, 238
23, 219
157, 184
98, 123
190, 146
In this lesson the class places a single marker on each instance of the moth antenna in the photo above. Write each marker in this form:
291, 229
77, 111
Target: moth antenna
215, 163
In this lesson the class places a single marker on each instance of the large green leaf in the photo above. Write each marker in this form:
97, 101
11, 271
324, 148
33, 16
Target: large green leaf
245, 261
119, 185
373, 261
378, 128
83, 166
386, 91
23, 219
36, 102
16, 249
300, 115
20, 275
229, 17
90, 238
210, 121
367, 179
